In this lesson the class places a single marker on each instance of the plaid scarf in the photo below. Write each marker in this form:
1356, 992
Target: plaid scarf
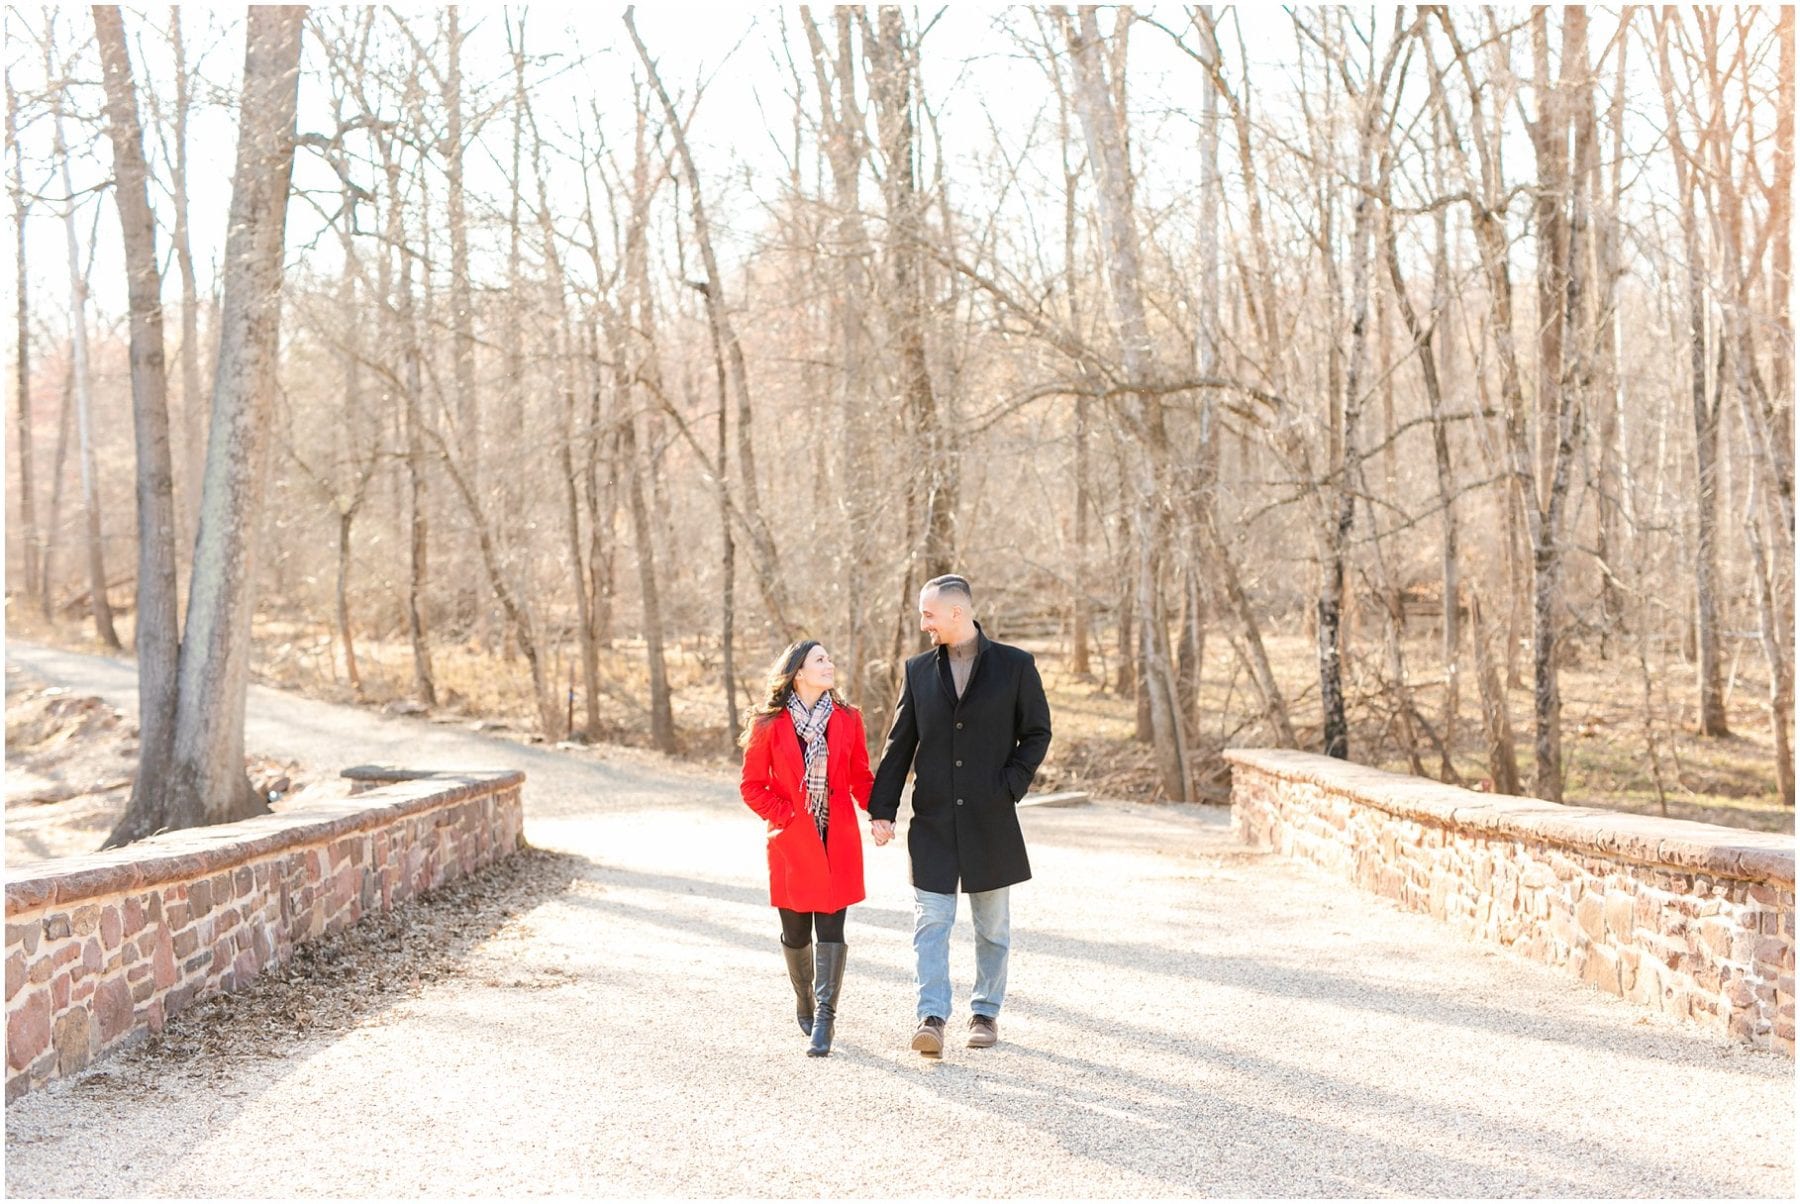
810, 727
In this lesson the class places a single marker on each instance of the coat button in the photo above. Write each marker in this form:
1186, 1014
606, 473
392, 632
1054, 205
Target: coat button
959, 802
959, 727
959, 764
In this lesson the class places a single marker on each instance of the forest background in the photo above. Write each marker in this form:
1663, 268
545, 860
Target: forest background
1409, 384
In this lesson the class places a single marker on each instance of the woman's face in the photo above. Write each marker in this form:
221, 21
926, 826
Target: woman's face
816, 673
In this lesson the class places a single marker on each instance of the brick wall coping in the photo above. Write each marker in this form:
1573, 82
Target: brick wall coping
1646, 839
193, 852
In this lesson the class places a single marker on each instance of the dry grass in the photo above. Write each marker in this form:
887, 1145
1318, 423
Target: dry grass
1605, 745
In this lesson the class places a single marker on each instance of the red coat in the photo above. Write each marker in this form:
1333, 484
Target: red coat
805, 875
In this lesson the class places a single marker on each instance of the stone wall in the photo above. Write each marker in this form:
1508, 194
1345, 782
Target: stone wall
1693, 920
102, 949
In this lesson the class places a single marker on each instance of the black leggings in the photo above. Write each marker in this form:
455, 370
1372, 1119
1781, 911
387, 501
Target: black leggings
797, 927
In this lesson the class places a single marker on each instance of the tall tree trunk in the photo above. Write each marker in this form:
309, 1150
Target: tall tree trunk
462, 308
633, 365
764, 558
892, 75
1705, 411
28, 533
1609, 397
346, 637
158, 636
1081, 592
584, 616
1201, 496
418, 565
206, 782
78, 308
662, 721
58, 476
193, 392
521, 627
1103, 124
1423, 338
1346, 457
1496, 721
869, 685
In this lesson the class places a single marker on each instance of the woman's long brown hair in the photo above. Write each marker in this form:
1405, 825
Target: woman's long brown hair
780, 683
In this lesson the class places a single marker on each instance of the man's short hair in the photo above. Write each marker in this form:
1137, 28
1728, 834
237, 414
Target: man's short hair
950, 583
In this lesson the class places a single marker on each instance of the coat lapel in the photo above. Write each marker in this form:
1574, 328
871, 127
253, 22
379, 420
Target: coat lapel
787, 749
942, 667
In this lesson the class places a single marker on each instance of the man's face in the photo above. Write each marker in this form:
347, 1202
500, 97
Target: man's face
936, 617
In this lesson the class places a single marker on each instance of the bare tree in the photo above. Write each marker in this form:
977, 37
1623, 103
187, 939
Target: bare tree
1706, 411
206, 782
1102, 121
158, 621
763, 556
28, 533
891, 51
98, 602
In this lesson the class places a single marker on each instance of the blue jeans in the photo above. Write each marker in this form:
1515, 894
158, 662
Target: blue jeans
933, 917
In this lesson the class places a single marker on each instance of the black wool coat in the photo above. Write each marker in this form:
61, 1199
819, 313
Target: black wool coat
974, 759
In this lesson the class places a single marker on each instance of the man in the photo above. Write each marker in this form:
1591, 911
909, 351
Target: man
973, 721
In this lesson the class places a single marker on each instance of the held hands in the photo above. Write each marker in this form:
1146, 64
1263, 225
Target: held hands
882, 830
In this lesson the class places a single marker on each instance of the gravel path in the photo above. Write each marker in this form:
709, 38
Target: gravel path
1186, 1017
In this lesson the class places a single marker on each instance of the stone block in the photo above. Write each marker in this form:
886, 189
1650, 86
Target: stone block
56, 927
1629, 960
142, 989
112, 926
1705, 973
27, 1030
73, 1035
185, 942
178, 914
1715, 937
243, 882
200, 898
112, 1007
134, 915
1590, 916
92, 959
1620, 908
163, 961
15, 973
1601, 969
84, 920
25, 935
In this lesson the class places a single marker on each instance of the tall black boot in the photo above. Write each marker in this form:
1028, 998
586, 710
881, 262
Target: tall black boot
800, 973
830, 977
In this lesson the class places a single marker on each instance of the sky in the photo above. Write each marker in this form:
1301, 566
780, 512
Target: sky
976, 76
980, 82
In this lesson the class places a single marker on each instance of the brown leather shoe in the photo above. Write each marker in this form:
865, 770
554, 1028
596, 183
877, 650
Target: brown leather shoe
928, 1038
984, 1031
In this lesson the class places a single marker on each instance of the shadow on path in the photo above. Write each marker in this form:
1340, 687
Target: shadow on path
1273, 978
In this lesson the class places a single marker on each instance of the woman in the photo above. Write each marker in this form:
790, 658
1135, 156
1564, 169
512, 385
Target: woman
805, 760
